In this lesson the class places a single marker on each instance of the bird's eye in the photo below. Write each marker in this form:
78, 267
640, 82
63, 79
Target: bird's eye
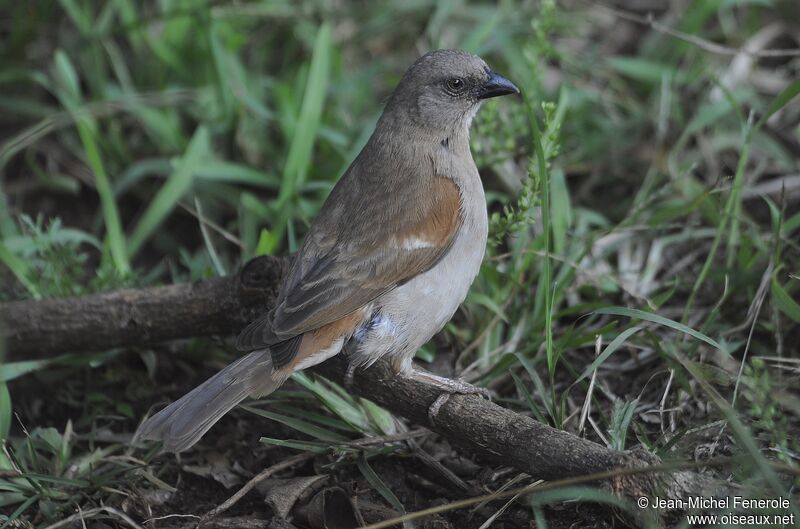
455, 85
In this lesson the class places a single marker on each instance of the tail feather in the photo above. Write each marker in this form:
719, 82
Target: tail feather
181, 424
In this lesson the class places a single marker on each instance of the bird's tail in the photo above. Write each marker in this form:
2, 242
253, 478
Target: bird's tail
183, 423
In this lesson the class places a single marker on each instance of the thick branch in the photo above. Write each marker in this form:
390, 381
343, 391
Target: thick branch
140, 316
225, 305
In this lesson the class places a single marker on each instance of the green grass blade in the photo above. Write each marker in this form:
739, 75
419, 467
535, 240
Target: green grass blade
660, 320
5, 411
780, 101
528, 398
378, 484
234, 173
544, 189
784, 302
615, 344
305, 132
735, 199
12, 370
382, 419
546, 397
212, 252
644, 70
306, 414
22, 508
177, 185
305, 446
69, 95
621, 417
114, 234
348, 411
19, 268
307, 428
730, 208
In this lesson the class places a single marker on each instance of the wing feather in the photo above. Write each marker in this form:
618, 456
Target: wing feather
366, 241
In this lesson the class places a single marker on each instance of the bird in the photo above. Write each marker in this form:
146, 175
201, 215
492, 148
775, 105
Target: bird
387, 261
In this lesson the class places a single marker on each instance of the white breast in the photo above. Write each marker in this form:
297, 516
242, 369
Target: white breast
411, 314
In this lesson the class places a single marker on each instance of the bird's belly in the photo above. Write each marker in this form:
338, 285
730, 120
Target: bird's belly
408, 316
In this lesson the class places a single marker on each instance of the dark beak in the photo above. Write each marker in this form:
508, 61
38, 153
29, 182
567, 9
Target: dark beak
495, 86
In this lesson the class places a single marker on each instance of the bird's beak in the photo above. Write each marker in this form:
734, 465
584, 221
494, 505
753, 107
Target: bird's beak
495, 86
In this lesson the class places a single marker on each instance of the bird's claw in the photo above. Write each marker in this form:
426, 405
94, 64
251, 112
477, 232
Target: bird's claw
433, 411
457, 386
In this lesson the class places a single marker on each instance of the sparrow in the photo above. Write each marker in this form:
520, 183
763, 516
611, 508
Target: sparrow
387, 261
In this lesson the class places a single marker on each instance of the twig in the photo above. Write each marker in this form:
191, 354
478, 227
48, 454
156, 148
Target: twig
92, 512
386, 439
228, 236
261, 476
168, 516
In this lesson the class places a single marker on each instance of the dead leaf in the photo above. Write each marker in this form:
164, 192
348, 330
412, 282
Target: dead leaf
282, 494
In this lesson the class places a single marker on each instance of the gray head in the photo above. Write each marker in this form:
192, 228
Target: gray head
445, 88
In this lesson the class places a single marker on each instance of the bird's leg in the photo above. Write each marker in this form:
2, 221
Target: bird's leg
448, 387
349, 353
349, 375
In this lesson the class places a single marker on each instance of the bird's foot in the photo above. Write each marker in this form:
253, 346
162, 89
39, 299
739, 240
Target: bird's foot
448, 386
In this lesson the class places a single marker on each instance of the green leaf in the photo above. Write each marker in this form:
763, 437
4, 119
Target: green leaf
304, 133
383, 420
645, 70
11, 499
56, 479
70, 96
780, 101
486, 301
537, 382
67, 76
116, 238
11, 370
561, 210
267, 243
5, 411
305, 446
620, 422
425, 353
708, 114
19, 268
175, 188
528, 398
346, 410
322, 434
784, 301
212, 252
655, 318
792, 223
378, 484
79, 17
234, 173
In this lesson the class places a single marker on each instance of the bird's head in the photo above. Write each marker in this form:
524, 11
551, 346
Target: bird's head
443, 89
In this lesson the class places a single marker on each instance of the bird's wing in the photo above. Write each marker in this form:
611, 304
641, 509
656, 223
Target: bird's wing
367, 240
